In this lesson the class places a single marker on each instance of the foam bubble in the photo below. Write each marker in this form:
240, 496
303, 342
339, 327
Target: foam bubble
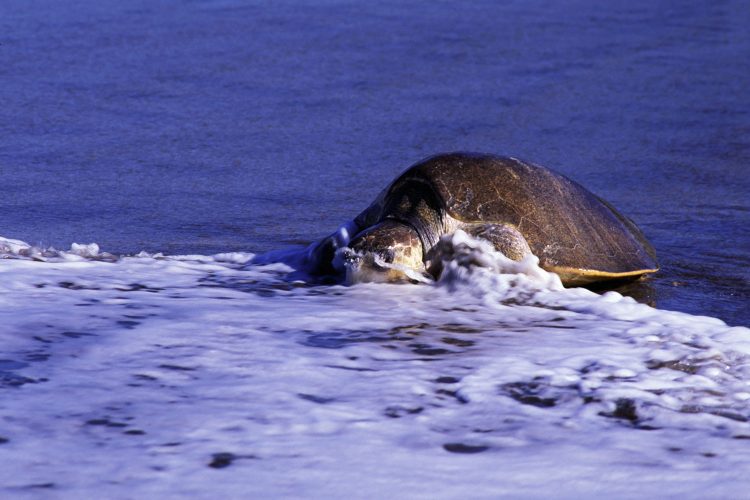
475, 263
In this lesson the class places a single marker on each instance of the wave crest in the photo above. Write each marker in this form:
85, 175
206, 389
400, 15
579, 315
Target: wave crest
17, 249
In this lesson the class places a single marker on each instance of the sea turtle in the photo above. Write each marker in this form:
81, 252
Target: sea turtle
519, 207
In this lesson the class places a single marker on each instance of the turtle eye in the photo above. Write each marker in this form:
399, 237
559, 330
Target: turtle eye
388, 256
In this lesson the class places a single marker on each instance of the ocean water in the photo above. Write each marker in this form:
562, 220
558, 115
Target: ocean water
152, 152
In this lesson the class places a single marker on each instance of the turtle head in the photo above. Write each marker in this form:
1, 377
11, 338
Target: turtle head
389, 251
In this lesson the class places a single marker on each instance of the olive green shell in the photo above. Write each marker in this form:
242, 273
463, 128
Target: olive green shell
571, 230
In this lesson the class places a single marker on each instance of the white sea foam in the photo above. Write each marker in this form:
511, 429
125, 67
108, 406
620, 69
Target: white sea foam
207, 375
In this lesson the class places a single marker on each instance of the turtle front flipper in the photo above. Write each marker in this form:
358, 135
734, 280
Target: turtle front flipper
505, 238
320, 254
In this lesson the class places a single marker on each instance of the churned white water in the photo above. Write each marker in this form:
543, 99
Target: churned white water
154, 376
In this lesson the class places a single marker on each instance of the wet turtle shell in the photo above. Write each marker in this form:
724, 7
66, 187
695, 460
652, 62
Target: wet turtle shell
573, 232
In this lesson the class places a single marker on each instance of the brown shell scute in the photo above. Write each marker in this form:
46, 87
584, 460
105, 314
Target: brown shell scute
565, 225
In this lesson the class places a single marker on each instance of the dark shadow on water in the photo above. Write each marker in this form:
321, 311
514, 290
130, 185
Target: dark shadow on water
642, 290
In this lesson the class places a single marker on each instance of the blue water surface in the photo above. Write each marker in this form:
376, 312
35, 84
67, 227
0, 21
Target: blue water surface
211, 126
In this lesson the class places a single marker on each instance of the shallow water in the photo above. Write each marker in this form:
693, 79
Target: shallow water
209, 127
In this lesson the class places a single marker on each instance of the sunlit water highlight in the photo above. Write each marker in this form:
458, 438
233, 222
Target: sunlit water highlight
205, 375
